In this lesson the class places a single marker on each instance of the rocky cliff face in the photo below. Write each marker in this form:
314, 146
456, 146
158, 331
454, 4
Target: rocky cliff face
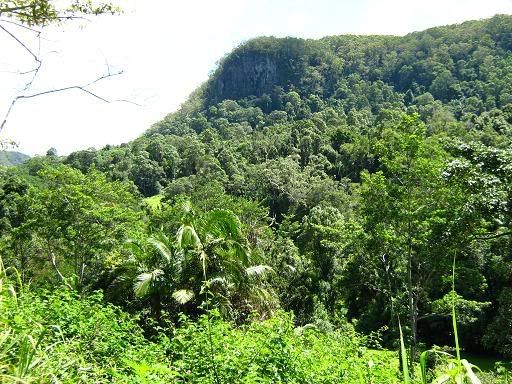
257, 67
249, 74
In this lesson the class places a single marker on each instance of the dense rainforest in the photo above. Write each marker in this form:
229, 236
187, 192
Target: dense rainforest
310, 202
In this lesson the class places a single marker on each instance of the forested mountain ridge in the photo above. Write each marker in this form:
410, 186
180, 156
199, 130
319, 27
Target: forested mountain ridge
298, 124
449, 74
337, 179
8, 158
446, 74
449, 62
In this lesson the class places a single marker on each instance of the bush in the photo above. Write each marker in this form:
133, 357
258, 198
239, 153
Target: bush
273, 351
62, 337
499, 332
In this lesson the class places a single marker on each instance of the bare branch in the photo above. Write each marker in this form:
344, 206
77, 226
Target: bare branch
20, 42
20, 25
20, 12
29, 17
71, 17
126, 101
8, 113
82, 88
38, 61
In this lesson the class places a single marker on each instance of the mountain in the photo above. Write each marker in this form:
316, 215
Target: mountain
10, 158
457, 75
359, 166
452, 76
450, 62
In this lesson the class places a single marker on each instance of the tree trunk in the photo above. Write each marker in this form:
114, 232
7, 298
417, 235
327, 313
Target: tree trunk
156, 308
412, 305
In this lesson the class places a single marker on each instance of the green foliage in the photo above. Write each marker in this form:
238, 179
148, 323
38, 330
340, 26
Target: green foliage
71, 224
455, 370
44, 12
206, 250
332, 179
403, 356
61, 337
499, 332
273, 351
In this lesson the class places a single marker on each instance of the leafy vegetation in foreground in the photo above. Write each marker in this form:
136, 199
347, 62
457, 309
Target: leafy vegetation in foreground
279, 231
60, 337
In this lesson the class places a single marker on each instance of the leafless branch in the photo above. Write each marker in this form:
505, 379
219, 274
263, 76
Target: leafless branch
82, 88
20, 42
19, 25
39, 62
72, 17
35, 56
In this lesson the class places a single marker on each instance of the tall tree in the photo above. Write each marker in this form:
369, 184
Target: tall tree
77, 221
219, 255
402, 205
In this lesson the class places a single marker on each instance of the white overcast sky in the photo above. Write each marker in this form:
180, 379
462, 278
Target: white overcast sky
167, 48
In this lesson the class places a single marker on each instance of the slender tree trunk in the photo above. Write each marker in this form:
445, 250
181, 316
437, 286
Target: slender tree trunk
156, 308
412, 304
23, 261
54, 262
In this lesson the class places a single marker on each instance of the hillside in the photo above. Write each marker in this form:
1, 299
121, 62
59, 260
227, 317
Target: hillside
452, 63
294, 123
448, 74
310, 193
10, 158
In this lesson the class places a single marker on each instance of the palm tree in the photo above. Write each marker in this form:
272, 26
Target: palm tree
218, 258
153, 270
209, 253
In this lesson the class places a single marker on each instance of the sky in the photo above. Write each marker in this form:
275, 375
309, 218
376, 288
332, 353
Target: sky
166, 49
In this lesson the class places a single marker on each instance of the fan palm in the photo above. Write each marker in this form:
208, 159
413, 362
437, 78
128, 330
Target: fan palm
153, 270
208, 251
218, 255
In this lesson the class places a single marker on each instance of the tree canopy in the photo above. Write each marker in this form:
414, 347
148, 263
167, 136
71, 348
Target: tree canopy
334, 179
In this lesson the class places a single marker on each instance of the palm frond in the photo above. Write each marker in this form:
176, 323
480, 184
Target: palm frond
473, 379
134, 247
183, 296
187, 237
242, 252
232, 267
261, 300
258, 270
145, 281
161, 243
203, 257
186, 207
218, 281
223, 223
